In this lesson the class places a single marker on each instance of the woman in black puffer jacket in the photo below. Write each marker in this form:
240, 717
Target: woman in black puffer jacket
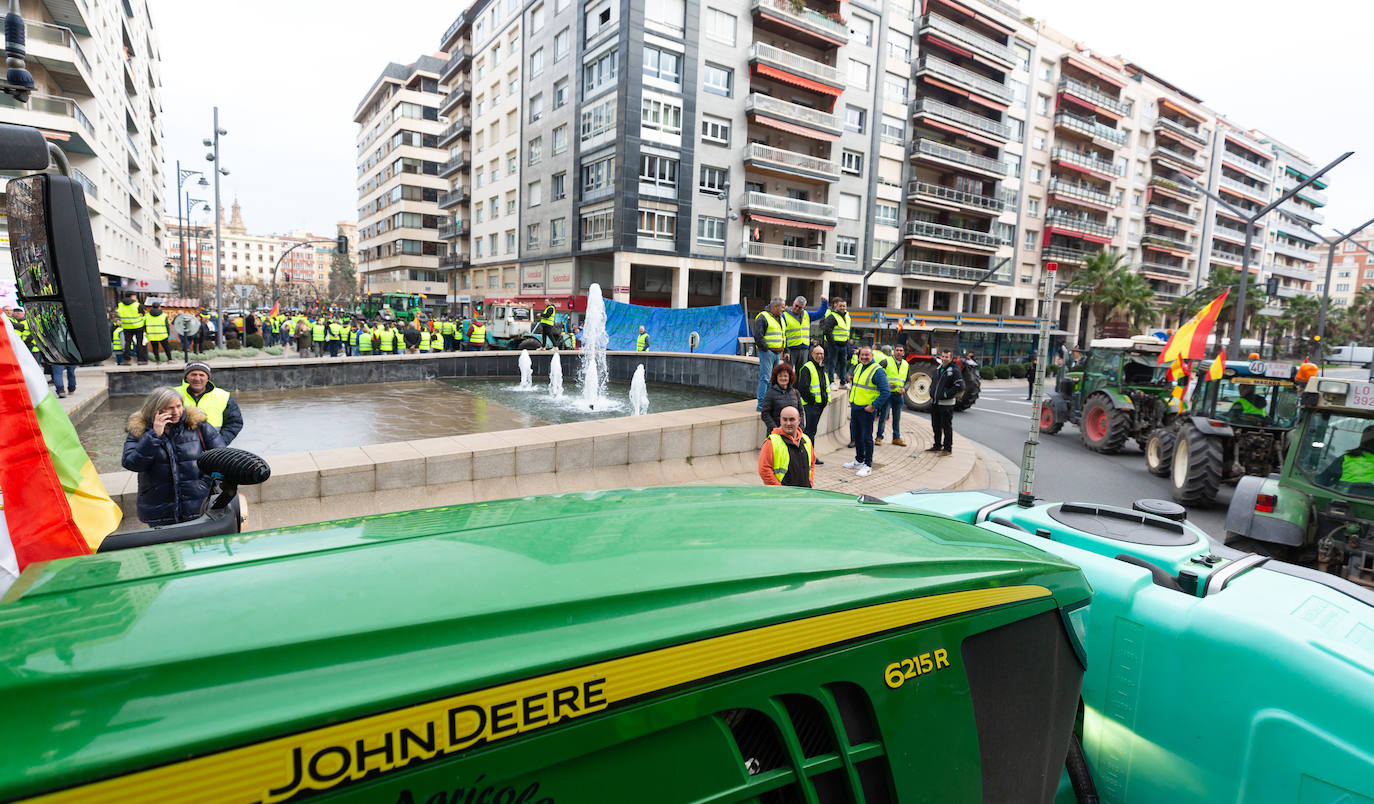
164, 440
781, 393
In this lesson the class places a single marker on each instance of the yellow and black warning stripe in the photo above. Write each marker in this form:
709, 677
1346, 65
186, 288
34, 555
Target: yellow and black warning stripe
320, 759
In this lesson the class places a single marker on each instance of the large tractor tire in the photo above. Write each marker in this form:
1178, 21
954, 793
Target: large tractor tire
920, 378
1050, 424
530, 344
1103, 427
1196, 467
973, 386
1159, 452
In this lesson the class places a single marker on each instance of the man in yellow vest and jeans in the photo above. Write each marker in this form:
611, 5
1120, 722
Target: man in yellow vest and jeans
897, 370
787, 457
867, 395
642, 340
131, 321
768, 339
836, 330
220, 408
157, 328
813, 385
796, 332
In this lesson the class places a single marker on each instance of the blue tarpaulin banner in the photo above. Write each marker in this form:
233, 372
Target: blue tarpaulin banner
669, 327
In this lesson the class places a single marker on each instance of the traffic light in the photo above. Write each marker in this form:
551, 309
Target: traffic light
477, 307
343, 244
1271, 286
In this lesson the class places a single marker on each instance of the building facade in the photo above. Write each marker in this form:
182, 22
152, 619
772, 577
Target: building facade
97, 96
923, 162
399, 158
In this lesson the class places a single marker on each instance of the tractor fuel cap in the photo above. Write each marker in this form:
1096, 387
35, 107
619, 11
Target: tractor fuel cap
1161, 508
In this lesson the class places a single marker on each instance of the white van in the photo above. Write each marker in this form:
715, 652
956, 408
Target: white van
1353, 355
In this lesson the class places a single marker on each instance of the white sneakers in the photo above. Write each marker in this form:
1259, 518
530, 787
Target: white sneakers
864, 471
853, 465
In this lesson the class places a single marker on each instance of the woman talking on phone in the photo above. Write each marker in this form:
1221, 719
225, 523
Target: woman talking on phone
164, 440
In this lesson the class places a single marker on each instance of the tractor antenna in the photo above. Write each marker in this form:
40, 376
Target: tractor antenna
1025, 496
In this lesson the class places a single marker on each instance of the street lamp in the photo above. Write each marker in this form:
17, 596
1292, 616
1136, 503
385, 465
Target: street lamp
1250, 221
213, 156
182, 176
1326, 287
724, 194
283, 256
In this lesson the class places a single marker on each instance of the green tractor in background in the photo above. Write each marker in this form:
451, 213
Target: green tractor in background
1115, 393
1234, 427
1318, 510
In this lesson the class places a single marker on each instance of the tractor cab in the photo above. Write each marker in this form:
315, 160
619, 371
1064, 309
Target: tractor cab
1114, 392
1249, 394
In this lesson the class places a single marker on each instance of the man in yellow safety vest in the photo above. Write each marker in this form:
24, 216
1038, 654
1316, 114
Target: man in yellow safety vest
220, 408
642, 340
157, 328
897, 371
867, 396
836, 331
787, 457
768, 340
130, 315
796, 332
477, 336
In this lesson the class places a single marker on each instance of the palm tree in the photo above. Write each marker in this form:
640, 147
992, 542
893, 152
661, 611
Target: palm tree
1181, 308
1300, 318
1130, 298
1099, 272
1222, 279
1362, 306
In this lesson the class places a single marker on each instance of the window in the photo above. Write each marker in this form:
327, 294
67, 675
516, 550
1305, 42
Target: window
847, 248
512, 163
893, 129
495, 205
598, 120
537, 62
1046, 70
720, 26
560, 93
885, 214
598, 225
510, 203
1013, 163
1023, 56
1029, 242
1369, 274
513, 82
560, 139
858, 74
852, 162
532, 235
562, 43
1042, 104
855, 119
860, 30
598, 18
1033, 207
713, 129
1137, 199
660, 171
1037, 174
510, 242
558, 186
657, 224
1006, 233
536, 150
601, 71
478, 248
536, 107
598, 175
664, 65
894, 88
1038, 140
660, 115
719, 80
713, 179
558, 231
537, 18
898, 46
849, 206
478, 212
535, 192
710, 230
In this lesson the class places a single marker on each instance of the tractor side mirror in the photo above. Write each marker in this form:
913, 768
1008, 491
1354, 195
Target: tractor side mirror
55, 268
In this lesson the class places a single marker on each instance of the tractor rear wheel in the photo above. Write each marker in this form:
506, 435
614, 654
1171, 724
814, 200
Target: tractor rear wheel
530, 344
919, 381
1159, 452
1049, 423
973, 386
1196, 467
1103, 427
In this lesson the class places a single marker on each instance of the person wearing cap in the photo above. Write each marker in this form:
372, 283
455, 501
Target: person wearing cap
157, 329
221, 410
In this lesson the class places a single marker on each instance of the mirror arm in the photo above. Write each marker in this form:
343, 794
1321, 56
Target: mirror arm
60, 160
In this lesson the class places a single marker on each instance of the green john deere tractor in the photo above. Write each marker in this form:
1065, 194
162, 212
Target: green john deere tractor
1116, 393
1233, 427
1317, 511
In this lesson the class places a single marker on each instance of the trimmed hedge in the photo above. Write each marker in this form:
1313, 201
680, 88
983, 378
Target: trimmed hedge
1018, 371
986, 372
253, 341
1002, 372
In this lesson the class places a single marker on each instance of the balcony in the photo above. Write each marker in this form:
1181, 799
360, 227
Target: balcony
997, 51
1166, 241
929, 107
1075, 223
457, 260
91, 188
1095, 97
461, 23
764, 54
1192, 163
1294, 272
1296, 252
790, 208
455, 196
1080, 192
57, 49
792, 255
1173, 187
1079, 159
1250, 191
1230, 233
1065, 254
53, 113
1291, 292
940, 194
1166, 124
795, 114
456, 129
803, 23
459, 59
1164, 268
1189, 218
930, 149
1309, 193
922, 230
1227, 257
459, 94
965, 78
1293, 208
462, 160
790, 163
942, 270
1239, 162
451, 229
1089, 127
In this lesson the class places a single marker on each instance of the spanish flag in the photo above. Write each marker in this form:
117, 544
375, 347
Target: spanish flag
1190, 340
1218, 366
52, 503
1177, 369
276, 308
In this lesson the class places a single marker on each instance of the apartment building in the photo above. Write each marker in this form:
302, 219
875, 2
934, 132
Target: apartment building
251, 258
97, 76
768, 148
1351, 270
399, 158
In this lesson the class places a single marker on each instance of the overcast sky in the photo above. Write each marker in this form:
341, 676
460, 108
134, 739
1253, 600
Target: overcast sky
288, 74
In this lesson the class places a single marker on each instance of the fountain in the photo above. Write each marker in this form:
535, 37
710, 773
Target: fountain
526, 371
592, 369
639, 395
556, 377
